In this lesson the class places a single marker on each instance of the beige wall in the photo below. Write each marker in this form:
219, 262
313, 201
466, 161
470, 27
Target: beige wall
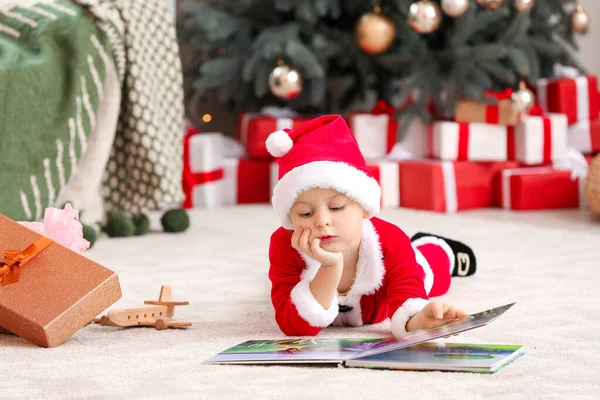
590, 42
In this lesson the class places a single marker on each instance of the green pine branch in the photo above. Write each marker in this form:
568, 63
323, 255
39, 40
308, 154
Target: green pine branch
239, 42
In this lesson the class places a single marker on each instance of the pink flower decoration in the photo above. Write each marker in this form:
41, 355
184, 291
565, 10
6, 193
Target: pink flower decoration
63, 227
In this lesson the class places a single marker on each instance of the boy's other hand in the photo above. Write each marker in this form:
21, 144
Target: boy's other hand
433, 315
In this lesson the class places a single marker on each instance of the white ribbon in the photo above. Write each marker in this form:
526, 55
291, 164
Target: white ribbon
575, 162
389, 180
398, 153
449, 186
564, 71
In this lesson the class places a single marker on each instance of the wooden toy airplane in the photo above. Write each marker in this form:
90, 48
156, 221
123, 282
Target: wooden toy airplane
159, 314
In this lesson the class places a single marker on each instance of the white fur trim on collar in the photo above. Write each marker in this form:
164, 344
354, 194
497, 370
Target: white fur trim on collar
340, 176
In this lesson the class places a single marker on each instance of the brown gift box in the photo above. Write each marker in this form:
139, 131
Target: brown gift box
503, 112
58, 291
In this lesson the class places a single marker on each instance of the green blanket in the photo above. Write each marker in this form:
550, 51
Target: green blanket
54, 56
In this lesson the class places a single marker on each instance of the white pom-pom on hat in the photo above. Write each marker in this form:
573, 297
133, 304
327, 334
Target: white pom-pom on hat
279, 143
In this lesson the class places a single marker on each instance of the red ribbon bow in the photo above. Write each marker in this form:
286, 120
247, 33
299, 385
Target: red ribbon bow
382, 107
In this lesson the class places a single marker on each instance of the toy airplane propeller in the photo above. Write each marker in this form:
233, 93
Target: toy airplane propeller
158, 314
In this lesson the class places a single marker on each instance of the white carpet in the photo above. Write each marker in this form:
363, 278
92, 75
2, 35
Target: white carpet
548, 262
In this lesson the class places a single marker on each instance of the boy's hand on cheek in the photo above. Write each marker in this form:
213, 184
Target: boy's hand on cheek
300, 242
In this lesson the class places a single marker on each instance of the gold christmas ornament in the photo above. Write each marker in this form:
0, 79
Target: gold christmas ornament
424, 16
491, 4
523, 99
524, 5
455, 8
580, 21
285, 82
375, 33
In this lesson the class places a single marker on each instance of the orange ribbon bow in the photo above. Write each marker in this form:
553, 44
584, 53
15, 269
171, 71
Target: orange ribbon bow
9, 268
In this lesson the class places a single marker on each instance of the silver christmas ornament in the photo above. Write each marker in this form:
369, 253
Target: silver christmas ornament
455, 8
524, 5
523, 100
285, 82
424, 16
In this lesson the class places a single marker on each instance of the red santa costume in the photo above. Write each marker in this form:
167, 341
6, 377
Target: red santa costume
394, 277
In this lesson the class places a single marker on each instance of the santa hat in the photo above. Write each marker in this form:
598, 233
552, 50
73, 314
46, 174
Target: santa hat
321, 153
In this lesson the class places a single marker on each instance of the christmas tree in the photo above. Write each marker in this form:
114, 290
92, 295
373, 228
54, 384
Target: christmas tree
326, 55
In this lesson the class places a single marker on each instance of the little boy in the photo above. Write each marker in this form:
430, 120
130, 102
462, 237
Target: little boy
333, 261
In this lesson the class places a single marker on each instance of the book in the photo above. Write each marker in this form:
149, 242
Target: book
340, 350
437, 356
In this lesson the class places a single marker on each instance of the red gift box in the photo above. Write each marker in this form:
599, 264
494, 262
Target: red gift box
190, 129
577, 98
539, 188
249, 181
255, 128
203, 170
446, 186
584, 136
453, 141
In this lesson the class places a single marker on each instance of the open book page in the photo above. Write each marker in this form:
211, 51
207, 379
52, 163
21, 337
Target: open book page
310, 350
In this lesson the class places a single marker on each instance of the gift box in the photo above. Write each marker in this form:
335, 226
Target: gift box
190, 129
575, 97
539, 188
387, 173
375, 131
584, 136
249, 181
453, 141
541, 139
255, 128
446, 186
503, 112
49, 292
203, 171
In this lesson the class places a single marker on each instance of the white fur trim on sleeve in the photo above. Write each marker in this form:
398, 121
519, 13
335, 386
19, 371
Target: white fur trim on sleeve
310, 309
403, 314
